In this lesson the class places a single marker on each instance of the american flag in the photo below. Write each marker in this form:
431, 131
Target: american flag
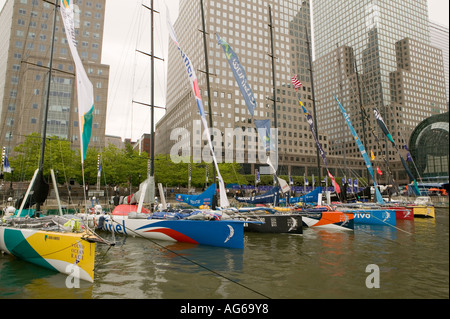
296, 82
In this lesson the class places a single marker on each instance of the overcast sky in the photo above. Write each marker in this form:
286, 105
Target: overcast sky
127, 29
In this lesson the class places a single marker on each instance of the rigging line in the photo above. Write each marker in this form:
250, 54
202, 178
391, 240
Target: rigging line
399, 130
123, 57
192, 261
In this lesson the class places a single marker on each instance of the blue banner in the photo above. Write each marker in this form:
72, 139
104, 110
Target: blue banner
362, 150
239, 75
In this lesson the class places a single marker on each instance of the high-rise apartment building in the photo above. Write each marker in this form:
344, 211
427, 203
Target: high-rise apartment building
26, 34
244, 26
375, 54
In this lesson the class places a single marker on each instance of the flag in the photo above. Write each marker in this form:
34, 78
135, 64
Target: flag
99, 170
291, 181
306, 181
198, 98
361, 149
296, 82
6, 166
408, 157
85, 90
284, 185
258, 177
264, 132
310, 121
239, 75
372, 155
383, 126
379, 171
335, 185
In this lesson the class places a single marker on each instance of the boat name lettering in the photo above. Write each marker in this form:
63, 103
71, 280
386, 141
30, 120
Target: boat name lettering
359, 215
117, 228
53, 237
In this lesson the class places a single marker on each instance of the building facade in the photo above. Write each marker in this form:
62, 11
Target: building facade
439, 37
375, 54
26, 32
244, 26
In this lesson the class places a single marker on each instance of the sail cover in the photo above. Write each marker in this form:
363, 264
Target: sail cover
270, 197
204, 198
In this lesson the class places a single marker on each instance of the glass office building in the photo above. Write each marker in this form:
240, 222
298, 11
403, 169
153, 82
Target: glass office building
375, 54
429, 146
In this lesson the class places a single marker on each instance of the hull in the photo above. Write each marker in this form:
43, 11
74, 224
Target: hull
276, 224
375, 216
403, 213
424, 211
328, 220
223, 233
67, 253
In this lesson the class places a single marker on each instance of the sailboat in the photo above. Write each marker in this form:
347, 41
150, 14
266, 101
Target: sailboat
204, 227
60, 243
279, 220
422, 207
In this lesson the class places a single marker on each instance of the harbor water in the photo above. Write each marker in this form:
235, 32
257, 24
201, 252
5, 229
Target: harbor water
409, 261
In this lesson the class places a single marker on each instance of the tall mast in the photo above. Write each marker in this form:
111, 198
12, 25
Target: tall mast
314, 102
272, 55
152, 112
44, 129
41, 188
205, 49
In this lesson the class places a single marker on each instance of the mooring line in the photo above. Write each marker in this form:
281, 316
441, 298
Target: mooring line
193, 262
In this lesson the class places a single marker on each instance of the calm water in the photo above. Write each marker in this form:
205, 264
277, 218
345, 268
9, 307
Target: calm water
413, 262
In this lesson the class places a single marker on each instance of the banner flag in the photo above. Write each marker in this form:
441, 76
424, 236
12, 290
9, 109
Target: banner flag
196, 90
85, 90
362, 150
239, 75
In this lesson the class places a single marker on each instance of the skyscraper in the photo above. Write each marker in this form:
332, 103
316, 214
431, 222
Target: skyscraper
244, 26
439, 37
375, 54
26, 32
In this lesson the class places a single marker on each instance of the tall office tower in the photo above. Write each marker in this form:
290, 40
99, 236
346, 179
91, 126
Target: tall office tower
439, 38
244, 26
375, 54
26, 33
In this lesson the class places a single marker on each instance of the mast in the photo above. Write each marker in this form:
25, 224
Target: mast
47, 102
152, 112
273, 73
338, 53
314, 101
205, 50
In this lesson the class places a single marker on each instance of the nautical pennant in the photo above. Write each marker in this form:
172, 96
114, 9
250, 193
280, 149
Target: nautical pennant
85, 90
